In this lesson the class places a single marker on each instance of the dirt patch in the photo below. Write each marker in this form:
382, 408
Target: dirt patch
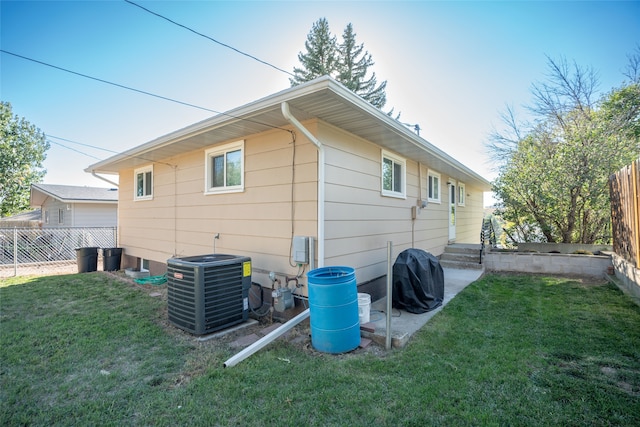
226, 342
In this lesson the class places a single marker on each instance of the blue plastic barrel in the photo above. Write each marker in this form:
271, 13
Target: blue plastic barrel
333, 305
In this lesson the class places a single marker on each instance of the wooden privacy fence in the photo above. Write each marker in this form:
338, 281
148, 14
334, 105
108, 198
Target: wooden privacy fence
624, 189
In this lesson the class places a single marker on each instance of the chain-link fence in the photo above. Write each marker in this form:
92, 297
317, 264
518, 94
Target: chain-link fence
34, 251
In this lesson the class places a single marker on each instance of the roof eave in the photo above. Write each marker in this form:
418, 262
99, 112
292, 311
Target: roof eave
324, 86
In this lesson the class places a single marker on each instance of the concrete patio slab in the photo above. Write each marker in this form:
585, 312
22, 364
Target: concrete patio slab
405, 324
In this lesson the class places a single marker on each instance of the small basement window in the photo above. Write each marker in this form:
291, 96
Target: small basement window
393, 175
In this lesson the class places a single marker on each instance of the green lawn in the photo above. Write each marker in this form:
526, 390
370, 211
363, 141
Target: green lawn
509, 350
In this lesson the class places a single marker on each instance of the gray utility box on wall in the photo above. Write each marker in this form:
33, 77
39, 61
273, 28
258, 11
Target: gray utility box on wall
206, 293
301, 249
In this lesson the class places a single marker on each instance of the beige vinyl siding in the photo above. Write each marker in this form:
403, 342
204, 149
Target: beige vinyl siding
255, 222
359, 220
469, 222
181, 220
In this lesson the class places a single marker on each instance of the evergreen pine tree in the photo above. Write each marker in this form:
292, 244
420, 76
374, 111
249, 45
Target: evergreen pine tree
353, 64
348, 63
320, 57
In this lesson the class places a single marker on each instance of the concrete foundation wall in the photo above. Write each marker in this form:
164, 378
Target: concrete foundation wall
584, 265
628, 277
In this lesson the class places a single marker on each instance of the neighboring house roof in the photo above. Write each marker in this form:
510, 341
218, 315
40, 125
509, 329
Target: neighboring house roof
34, 215
72, 194
322, 98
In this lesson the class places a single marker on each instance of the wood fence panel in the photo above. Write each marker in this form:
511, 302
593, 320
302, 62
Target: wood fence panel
624, 189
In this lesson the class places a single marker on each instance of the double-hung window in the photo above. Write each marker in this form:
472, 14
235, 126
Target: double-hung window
433, 186
393, 175
224, 168
144, 183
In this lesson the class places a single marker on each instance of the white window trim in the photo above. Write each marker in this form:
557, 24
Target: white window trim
211, 152
462, 194
403, 163
136, 172
439, 198
60, 216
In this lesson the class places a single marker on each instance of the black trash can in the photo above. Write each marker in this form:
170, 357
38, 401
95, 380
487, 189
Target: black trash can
87, 259
111, 258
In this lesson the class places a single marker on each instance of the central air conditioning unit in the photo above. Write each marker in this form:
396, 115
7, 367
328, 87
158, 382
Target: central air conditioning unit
206, 293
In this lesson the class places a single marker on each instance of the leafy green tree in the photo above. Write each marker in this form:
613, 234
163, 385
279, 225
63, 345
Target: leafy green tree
553, 176
22, 150
346, 62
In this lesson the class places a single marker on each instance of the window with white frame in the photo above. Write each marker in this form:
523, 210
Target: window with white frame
143, 183
46, 216
224, 168
60, 216
393, 175
462, 194
433, 186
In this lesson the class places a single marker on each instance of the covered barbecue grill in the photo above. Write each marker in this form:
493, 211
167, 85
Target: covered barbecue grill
418, 281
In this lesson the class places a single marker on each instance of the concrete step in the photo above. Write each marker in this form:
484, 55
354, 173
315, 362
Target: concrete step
461, 248
472, 257
461, 265
461, 256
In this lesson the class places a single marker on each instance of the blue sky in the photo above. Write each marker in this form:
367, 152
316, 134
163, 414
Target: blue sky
451, 67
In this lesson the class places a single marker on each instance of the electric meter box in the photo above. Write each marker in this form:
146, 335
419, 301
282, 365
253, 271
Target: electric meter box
301, 249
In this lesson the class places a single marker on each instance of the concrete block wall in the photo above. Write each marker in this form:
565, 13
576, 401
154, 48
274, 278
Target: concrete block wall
563, 248
583, 265
628, 277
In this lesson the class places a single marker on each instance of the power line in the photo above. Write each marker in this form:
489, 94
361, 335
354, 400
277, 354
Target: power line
108, 82
210, 38
80, 143
97, 148
73, 149
140, 91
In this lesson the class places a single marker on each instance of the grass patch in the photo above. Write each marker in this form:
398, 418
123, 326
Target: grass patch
509, 350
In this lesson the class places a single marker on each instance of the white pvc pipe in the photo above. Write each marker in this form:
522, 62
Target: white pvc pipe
267, 339
287, 115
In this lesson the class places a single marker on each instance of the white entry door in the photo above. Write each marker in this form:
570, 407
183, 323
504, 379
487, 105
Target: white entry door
452, 212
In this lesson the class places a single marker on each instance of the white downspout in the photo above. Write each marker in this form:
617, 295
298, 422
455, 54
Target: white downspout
264, 341
287, 115
104, 179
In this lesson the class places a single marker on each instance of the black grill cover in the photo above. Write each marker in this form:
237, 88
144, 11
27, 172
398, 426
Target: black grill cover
418, 281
